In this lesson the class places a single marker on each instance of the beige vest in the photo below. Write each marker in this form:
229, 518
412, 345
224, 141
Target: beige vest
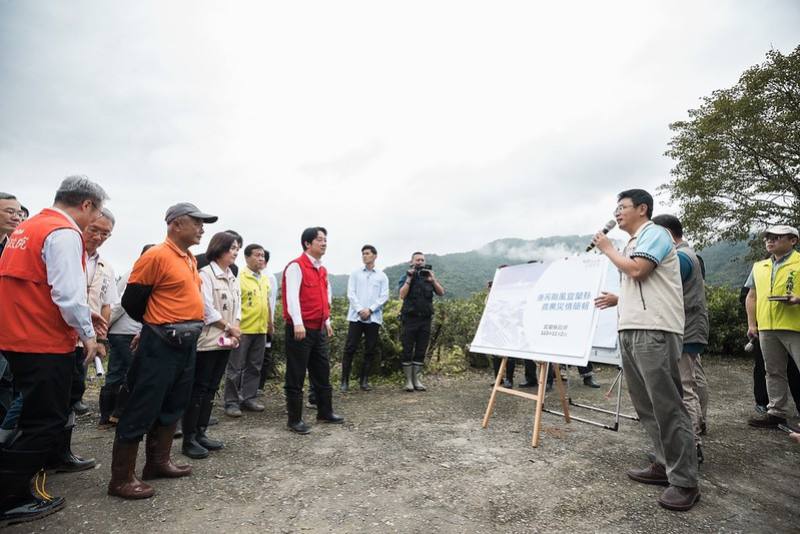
655, 303
99, 284
226, 295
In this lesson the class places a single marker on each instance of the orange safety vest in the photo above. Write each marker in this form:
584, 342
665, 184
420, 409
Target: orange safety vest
31, 322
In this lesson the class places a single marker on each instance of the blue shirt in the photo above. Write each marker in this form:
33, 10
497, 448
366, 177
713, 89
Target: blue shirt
367, 289
654, 243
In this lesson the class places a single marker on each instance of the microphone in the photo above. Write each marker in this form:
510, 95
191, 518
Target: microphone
607, 228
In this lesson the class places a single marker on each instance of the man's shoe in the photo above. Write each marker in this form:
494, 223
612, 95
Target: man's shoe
70, 463
760, 408
700, 457
331, 418
22, 510
80, 408
766, 421
506, 383
344, 386
655, 474
527, 384
299, 427
233, 411
192, 448
252, 405
678, 498
213, 421
590, 381
207, 442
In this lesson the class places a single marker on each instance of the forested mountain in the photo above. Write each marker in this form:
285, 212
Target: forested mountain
463, 273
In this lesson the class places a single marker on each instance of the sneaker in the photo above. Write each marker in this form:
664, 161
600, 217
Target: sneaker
233, 411
766, 421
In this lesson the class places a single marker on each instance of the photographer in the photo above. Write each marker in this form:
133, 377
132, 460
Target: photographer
416, 292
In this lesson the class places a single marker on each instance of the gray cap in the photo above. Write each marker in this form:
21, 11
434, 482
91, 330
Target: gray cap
185, 208
782, 229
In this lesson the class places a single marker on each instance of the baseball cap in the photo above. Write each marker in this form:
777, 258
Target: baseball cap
185, 208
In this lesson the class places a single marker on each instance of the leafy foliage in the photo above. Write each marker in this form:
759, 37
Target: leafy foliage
738, 157
727, 322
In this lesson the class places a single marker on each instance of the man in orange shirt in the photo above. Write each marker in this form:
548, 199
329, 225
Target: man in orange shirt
163, 293
44, 311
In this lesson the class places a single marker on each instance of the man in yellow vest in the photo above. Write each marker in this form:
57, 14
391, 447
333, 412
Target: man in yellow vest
244, 366
773, 316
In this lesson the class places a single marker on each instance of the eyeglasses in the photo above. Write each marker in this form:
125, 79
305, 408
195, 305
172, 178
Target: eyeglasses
102, 233
13, 212
772, 237
621, 207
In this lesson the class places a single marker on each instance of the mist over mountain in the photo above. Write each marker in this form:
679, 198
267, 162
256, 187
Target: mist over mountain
464, 273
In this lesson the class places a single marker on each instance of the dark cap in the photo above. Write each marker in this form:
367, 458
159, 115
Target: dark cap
185, 208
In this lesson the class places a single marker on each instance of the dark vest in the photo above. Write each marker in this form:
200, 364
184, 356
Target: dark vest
419, 301
694, 300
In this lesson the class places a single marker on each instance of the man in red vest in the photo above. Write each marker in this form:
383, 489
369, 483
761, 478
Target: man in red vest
43, 312
307, 311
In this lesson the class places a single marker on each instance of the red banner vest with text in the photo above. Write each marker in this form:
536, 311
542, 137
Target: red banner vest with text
31, 322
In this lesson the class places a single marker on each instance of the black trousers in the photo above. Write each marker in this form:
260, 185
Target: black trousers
355, 330
209, 368
78, 387
312, 354
510, 366
44, 381
160, 383
415, 335
760, 378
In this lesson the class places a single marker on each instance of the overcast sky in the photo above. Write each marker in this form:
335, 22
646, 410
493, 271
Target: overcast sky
428, 125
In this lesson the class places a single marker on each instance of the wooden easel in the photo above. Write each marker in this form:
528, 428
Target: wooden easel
538, 397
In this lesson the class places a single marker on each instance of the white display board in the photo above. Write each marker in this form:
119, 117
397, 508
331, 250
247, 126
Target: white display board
604, 344
544, 311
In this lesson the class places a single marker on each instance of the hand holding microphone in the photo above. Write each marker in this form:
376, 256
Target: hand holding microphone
607, 228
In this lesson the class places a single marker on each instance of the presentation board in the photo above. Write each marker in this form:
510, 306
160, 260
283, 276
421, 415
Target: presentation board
545, 311
604, 344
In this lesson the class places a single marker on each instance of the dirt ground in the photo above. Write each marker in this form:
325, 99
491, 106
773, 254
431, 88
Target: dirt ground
420, 462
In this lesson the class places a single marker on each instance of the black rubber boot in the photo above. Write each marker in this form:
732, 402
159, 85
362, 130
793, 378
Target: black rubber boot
191, 447
325, 409
23, 496
107, 401
202, 424
294, 409
346, 366
61, 459
364, 378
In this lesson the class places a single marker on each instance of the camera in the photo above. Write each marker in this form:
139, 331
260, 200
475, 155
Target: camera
421, 270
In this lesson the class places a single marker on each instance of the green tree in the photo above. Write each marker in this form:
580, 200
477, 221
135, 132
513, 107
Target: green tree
738, 157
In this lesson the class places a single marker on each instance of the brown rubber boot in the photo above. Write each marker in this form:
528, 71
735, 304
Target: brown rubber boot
158, 463
124, 482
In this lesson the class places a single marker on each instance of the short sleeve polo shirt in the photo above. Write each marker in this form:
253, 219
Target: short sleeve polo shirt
172, 274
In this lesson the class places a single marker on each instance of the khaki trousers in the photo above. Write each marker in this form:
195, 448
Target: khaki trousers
650, 361
777, 345
695, 391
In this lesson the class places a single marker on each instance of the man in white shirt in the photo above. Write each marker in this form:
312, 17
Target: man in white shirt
367, 292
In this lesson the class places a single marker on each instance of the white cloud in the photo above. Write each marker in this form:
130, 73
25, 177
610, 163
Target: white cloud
438, 126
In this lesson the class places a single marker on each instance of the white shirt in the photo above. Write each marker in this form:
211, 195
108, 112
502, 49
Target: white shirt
367, 288
121, 323
273, 294
62, 253
294, 277
210, 313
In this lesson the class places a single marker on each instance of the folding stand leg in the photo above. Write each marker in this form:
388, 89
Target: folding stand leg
501, 373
